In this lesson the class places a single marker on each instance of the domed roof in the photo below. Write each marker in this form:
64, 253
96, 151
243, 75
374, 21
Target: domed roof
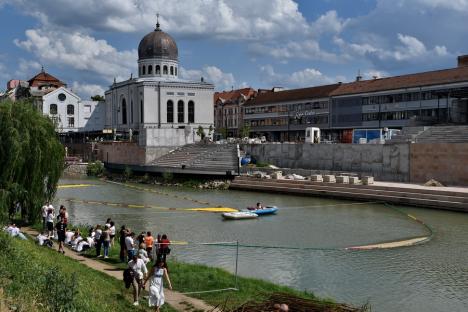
157, 44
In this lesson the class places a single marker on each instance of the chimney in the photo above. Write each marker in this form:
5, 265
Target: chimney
463, 60
359, 77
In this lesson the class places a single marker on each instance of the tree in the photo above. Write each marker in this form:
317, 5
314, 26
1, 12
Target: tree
98, 97
245, 131
201, 132
31, 157
210, 130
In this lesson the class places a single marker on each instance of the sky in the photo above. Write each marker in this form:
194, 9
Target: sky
232, 43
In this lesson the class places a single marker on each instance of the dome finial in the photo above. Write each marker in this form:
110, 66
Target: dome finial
157, 22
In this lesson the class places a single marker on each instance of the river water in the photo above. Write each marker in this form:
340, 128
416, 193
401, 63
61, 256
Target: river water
309, 232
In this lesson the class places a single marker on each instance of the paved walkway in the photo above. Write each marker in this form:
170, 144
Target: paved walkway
175, 299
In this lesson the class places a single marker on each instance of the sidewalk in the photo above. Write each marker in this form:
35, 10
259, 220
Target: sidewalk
175, 299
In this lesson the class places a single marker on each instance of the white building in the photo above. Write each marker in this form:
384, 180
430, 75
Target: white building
70, 114
158, 106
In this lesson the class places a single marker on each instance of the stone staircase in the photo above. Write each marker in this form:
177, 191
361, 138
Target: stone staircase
203, 157
407, 135
444, 134
428, 198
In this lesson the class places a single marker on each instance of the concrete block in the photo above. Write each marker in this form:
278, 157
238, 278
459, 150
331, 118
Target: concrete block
368, 180
316, 178
329, 178
277, 175
342, 179
354, 180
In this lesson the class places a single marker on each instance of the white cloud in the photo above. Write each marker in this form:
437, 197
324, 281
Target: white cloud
304, 78
456, 5
329, 22
27, 69
79, 51
213, 74
208, 18
307, 49
85, 91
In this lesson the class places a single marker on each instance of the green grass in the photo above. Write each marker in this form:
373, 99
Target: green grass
36, 278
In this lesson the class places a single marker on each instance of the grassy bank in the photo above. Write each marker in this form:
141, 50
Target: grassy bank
36, 278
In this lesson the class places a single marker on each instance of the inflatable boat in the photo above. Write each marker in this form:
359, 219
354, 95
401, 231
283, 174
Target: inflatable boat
239, 215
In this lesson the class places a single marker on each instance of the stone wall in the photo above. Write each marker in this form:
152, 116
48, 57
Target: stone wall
384, 162
129, 153
444, 162
76, 170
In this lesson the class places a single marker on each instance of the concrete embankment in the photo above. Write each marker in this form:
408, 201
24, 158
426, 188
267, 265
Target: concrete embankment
447, 198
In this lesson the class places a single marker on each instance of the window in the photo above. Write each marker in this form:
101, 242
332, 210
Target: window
131, 111
175, 70
53, 109
170, 93
172, 70
180, 111
191, 94
71, 122
141, 111
62, 97
191, 111
157, 70
70, 109
165, 70
87, 108
150, 69
144, 70
139, 71
170, 111
124, 111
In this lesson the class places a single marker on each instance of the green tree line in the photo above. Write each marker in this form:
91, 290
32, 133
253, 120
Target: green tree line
31, 160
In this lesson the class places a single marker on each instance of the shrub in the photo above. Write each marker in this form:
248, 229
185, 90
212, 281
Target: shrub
167, 177
127, 174
95, 169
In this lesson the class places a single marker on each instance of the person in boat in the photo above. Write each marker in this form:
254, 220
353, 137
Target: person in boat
259, 206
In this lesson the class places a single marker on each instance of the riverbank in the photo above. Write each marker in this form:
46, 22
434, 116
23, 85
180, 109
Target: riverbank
201, 282
447, 198
37, 278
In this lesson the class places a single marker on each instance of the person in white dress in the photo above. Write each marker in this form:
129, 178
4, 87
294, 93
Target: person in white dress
156, 289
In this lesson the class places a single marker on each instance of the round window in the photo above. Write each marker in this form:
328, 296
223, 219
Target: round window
62, 97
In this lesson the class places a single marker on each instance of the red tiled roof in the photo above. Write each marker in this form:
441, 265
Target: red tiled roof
44, 78
233, 95
445, 76
293, 95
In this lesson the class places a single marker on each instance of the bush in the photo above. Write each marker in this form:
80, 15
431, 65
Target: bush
262, 164
167, 177
95, 169
127, 174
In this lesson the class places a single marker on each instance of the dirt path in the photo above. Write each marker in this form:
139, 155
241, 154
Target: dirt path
175, 299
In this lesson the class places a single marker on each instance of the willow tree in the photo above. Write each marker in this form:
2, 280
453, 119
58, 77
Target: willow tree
31, 160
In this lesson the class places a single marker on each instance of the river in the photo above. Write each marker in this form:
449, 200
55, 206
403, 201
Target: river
309, 233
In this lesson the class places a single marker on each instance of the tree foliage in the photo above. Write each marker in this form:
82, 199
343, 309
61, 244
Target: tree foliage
97, 97
31, 160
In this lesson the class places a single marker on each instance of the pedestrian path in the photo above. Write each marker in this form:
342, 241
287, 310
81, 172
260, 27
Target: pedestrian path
175, 299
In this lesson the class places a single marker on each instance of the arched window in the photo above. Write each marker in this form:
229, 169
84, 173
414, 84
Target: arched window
157, 71
53, 109
170, 111
172, 70
165, 70
142, 120
131, 111
175, 69
124, 111
191, 111
150, 69
70, 109
144, 70
139, 71
180, 111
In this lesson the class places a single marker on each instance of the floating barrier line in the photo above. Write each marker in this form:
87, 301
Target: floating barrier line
209, 291
74, 185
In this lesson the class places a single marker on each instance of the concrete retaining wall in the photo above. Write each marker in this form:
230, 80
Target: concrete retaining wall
444, 162
76, 170
129, 153
385, 162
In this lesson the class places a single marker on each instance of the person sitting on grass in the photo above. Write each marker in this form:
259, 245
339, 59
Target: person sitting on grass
41, 238
140, 270
156, 289
69, 236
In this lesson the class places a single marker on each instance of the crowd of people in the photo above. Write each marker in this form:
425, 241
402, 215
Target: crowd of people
136, 250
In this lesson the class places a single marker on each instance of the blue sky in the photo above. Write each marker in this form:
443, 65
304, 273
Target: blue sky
233, 43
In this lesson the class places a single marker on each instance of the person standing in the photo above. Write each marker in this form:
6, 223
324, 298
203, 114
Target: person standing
163, 249
156, 289
50, 222
129, 245
98, 240
44, 211
140, 271
122, 235
61, 228
112, 232
106, 241
149, 241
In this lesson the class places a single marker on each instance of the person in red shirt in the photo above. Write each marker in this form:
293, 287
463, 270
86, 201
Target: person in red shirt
163, 249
